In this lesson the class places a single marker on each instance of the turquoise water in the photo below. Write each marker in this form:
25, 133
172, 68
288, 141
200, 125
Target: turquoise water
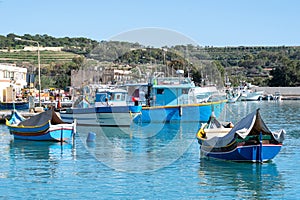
155, 161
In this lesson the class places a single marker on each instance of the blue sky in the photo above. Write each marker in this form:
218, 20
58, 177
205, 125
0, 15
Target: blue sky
207, 22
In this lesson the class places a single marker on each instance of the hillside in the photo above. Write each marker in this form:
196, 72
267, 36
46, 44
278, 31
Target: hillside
30, 57
263, 66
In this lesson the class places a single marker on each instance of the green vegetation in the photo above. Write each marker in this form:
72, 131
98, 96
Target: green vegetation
76, 45
264, 66
46, 57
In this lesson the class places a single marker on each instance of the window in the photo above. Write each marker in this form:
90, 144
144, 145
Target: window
185, 91
6, 74
160, 91
12, 75
118, 97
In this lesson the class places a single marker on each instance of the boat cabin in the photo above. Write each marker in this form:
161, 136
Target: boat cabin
109, 97
171, 90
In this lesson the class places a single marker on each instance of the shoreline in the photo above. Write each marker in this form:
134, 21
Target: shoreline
287, 93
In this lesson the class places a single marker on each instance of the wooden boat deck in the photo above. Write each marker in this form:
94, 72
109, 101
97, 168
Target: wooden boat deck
216, 132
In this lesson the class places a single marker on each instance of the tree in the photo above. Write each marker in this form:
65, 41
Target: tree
286, 74
78, 60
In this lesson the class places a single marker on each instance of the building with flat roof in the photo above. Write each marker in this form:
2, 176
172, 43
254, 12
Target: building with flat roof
13, 80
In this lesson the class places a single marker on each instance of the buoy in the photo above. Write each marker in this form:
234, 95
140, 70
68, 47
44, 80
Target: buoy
91, 137
58, 104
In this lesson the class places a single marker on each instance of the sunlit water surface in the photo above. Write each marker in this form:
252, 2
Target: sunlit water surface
155, 161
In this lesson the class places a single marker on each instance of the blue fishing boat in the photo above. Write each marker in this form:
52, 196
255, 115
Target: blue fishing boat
45, 126
21, 105
249, 140
175, 99
111, 108
179, 113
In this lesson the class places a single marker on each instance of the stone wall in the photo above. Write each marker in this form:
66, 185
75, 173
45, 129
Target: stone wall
285, 91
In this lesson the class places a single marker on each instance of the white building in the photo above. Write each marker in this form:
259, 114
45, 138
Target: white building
13, 80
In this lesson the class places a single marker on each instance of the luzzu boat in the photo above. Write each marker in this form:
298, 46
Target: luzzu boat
46, 126
250, 140
172, 99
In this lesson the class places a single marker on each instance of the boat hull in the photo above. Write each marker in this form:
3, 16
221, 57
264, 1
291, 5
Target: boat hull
183, 113
15, 105
251, 153
255, 96
48, 132
116, 116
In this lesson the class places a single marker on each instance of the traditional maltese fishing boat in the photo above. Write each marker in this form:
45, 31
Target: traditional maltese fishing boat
249, 140
45, 126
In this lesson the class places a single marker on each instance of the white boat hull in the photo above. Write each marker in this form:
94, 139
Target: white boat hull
113, 119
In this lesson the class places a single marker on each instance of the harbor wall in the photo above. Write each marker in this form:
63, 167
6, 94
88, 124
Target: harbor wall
285, 91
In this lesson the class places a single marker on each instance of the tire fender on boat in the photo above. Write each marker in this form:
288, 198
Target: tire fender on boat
180, 111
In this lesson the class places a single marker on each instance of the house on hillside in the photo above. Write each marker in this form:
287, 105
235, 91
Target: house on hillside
99, 75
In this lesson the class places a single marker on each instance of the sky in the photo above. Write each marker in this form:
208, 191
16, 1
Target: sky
204, 22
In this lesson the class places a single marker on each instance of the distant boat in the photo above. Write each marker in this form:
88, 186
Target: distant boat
232, 95
249, 140
203, 94
277, 96
110, 109
248, 95
234, 98
18, 105
63, 103
45, 126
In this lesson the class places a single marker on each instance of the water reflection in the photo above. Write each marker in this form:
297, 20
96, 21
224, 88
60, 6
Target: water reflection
139, 148
4, 152
242, 180
37, 161
76, 174
40, 150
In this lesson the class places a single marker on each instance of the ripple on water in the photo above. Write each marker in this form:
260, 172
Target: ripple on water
47, 171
